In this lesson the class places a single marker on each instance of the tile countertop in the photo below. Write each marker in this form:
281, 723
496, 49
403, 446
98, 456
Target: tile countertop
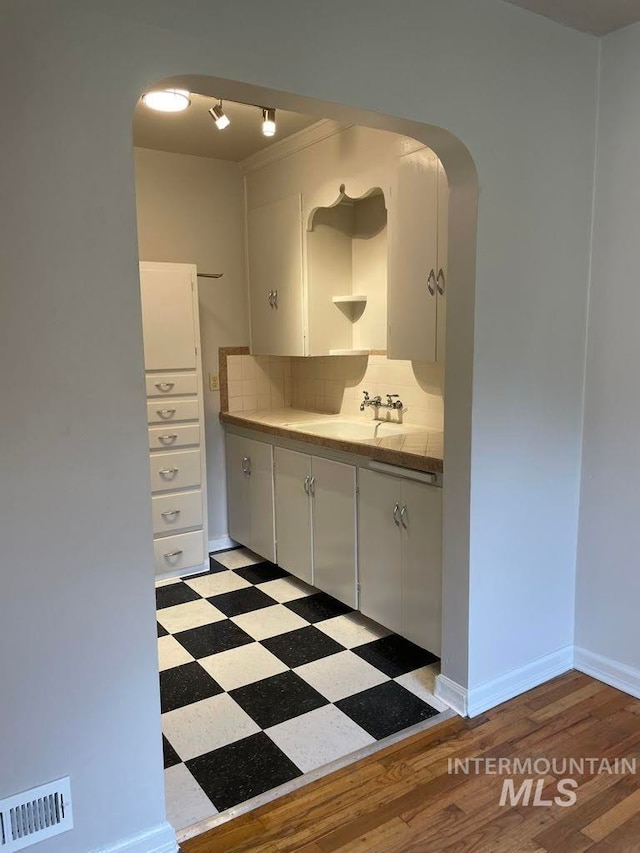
420, 449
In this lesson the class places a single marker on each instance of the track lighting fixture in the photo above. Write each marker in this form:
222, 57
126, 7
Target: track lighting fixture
221, 119
167, 100
268, 122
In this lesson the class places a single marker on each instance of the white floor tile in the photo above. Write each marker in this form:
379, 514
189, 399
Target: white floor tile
167, 582
171, 653
340, 675
238, 559
318, 737
181, 617
217, 583
186, 802
269, 621
421, 682
206, 725
352, 630
243, 665
287, 589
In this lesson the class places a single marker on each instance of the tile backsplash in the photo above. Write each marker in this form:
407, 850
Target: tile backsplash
335, 385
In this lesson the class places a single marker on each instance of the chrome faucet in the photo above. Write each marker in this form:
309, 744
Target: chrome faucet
375, 403
393, 402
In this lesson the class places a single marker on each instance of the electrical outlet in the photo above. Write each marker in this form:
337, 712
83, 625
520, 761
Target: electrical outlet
214, 382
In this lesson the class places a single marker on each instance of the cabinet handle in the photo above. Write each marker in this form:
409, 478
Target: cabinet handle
403, 516
275, 298
271, 298
168, 472
312, 487
169, 438
170, 513
306, 484
396, 511
246, 465
164, 386
440, 278
173, 554
431, 283
165, 414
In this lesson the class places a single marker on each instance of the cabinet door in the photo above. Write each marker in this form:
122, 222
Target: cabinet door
274, 238
237, 451
422, 565
293, 512
413, 258
333, 490
261, 514
168, 320
379, 549
443, 249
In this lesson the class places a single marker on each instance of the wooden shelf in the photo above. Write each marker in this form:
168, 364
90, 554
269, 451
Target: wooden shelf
349, 352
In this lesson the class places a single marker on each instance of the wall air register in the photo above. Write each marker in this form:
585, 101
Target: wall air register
34, 815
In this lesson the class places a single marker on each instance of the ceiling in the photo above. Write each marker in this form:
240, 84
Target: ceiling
193, 131
598, 17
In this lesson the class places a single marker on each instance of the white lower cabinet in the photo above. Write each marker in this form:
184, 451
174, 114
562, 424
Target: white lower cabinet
400, 556
250, 494
316, 521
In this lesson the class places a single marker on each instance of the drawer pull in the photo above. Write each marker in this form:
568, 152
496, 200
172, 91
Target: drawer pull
165, 414
172, 554
164, 386
168, 439
168, 472
170, 514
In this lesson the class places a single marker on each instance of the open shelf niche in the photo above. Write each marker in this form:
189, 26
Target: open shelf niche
347, 274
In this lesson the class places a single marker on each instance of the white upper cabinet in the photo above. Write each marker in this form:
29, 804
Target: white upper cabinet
274, 248
168, 317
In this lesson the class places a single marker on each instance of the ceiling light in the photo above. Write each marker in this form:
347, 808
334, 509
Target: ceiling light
269, 122
218, 115
167, 100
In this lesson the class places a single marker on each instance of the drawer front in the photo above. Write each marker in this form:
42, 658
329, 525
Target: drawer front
172, 471
176, 512
171, 384
179, 552
168, 411
163, 438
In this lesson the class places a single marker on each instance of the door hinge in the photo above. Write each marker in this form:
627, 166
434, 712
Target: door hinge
357, 491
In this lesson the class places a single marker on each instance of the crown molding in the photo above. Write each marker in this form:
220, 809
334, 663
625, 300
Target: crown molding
296, 142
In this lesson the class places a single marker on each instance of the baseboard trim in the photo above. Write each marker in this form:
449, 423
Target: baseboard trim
222, 543
159, 839
518, 681
452, 693
613, 673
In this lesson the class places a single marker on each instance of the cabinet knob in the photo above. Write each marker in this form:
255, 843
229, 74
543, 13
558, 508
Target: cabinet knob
164, 386
165, 414
431, 282
440, 281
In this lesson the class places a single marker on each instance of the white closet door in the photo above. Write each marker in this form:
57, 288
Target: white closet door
168, 319
293, 512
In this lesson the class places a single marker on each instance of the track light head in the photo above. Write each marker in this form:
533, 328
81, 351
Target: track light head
219, 116
268, 122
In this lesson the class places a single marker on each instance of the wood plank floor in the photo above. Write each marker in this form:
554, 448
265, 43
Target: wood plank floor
403, 800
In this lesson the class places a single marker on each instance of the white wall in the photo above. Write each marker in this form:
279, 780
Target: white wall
77, 594
608, 588
191, 210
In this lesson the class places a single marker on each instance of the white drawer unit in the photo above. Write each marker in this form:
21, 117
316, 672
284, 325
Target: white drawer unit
171, 384
175, 512
169, 411
174, 553
175, 414
167, 438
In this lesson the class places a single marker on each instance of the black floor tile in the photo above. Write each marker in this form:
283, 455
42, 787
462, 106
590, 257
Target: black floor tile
278, 698
162, 631
241, 601
174, 593
394, 655
182, 685
215, 566
296, 648
170, 756
385, 709
261, 572
241, 770
211, 639
316, 608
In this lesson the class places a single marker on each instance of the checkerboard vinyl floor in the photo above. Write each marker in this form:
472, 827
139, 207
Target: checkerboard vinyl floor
264, 679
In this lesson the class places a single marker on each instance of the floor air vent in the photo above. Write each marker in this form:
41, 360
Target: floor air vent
35, 815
